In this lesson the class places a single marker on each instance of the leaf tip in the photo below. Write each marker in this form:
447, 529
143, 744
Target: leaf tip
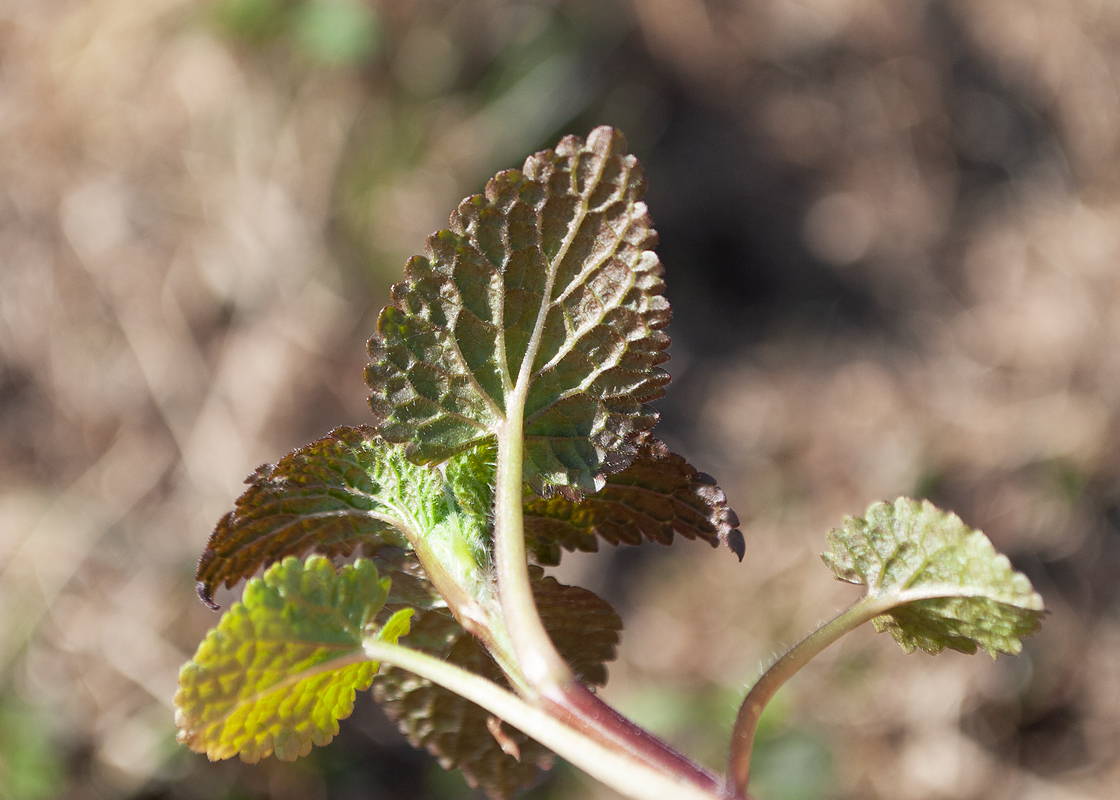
737, 543
206, 596
603, 139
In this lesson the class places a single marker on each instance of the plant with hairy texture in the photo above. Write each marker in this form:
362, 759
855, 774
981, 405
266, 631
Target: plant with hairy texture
510, 381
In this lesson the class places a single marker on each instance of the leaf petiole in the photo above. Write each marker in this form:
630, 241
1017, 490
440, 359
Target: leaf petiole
621, 771
764, 689
538, 660
788, 665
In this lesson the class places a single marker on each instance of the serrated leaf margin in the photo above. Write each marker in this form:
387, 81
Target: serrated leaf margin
303, 699
961, 594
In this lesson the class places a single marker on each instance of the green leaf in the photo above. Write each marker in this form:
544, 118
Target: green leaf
658, 496
470, 476
542, 303
281, 668
345, 490
585, 629
952, 588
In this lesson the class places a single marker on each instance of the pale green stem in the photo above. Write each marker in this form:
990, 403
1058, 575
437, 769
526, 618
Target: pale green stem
542, 667
537, 657
466, 609
468, 612
537, 660
498, 644
742, 738
622, 772
541, 664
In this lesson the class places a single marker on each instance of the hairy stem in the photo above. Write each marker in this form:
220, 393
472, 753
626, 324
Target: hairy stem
746, 723
621, 771
467, 611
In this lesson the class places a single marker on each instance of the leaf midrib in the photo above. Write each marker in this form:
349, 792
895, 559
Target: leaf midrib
295, 520
588, 269
948, 591
346, 657
524, 376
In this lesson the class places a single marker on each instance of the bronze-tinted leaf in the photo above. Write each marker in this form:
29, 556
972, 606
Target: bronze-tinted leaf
456, 731
547, 281
659, 496
345, 490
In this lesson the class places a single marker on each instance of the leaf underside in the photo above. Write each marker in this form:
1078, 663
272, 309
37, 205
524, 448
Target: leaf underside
657, 497
585, 629
537, 314
330, 496
343, 493
915, 547
282, 667
549, 279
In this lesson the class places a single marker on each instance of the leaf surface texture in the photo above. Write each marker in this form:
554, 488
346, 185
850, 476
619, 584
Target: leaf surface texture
659, 496
543, 298
282, 666
970, 595
347, 489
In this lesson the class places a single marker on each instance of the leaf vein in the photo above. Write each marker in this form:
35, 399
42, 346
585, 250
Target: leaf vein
524, 376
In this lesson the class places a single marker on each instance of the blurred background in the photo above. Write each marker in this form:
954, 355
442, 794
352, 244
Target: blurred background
891, 233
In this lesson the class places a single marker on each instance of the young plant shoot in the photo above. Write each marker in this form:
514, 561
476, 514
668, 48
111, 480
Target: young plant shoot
510, 385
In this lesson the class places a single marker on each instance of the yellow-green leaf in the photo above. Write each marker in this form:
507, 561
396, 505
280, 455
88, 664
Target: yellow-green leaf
282, 666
